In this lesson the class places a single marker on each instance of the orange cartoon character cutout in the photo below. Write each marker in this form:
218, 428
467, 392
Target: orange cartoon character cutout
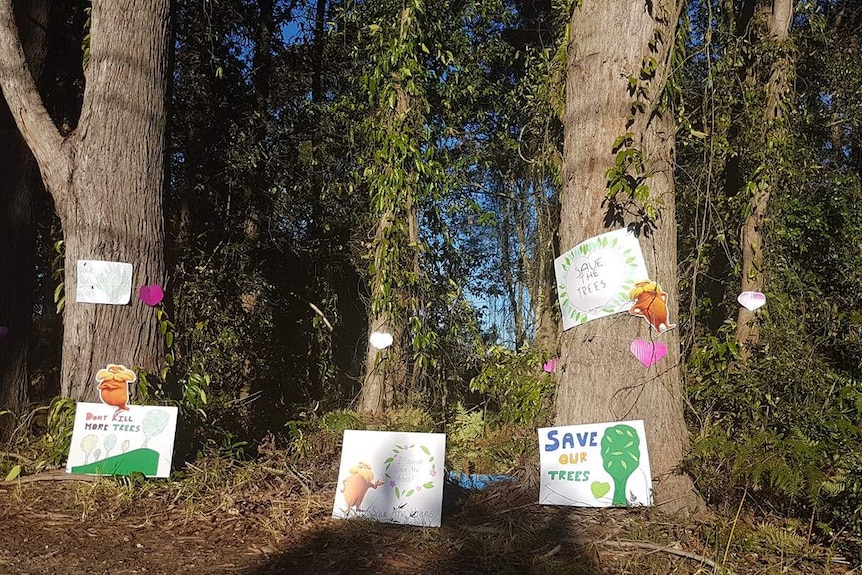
357, 484
650, 303
114, 383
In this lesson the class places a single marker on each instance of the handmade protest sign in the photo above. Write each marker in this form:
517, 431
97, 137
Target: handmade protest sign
594, 278
115, 438
392, 477
595, 465
104, 282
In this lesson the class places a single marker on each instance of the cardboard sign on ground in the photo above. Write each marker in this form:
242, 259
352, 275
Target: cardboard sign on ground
107, 440
595, 465
392, 477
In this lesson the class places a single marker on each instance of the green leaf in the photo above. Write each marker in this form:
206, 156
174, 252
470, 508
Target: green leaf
13, 473
425, 449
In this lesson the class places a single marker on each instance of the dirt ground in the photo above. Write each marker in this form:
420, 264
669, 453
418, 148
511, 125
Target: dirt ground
270, 522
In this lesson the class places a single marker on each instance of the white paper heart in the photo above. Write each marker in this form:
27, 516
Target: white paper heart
380, 340
751, 300
649, 353
592, 281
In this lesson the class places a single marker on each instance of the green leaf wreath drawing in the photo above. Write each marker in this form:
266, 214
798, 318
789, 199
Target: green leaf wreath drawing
409, 492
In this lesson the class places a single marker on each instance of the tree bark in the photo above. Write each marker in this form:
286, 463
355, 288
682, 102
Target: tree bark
599, 379
747, 330
387, 371
544, 291
106, 177
378, 385
512, 283
18, 256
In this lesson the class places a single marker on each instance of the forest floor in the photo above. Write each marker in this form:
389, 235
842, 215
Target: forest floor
273, 516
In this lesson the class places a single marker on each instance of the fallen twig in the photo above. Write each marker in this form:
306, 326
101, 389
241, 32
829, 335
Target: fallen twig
669, 550
11, 455
552, 552
57, 475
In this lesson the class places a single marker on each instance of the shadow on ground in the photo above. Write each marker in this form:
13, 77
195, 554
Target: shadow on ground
493, 532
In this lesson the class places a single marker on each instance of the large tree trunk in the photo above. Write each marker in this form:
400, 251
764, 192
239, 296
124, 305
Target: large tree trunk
396, 272
747, 331
18, 255
106, 177
599, 379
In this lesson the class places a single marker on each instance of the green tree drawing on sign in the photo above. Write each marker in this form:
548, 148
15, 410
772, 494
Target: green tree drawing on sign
621, 455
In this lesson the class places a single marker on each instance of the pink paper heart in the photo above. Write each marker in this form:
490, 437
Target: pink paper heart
551, 365
751, 300
648, 352
4, 331
151, 295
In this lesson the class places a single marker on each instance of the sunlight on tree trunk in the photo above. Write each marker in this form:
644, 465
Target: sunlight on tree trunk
106, 177
599, 379
747, 330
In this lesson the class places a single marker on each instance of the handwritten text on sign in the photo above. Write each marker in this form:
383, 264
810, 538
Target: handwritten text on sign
596, 465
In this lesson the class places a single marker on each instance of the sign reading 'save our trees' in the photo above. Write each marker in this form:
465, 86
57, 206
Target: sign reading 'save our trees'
594, 278
392, 477
595, 465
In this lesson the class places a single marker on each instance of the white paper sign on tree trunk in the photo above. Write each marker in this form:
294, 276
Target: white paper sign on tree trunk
594, 277
392, 477
104, 282
595, 465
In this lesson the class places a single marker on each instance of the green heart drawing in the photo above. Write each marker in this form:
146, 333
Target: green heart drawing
600, 489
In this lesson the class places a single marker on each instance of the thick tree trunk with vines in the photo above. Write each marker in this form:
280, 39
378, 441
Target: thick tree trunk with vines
106, 177
543, 295
747, 331
599, 379
18, 180
377, 389
393, 297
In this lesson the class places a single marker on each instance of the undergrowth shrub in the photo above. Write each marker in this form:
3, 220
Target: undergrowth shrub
515, 387
785, 423
474, 445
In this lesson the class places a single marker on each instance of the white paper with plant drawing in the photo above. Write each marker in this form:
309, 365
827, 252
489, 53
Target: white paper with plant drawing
111, 441
595, 465
104, 282
594, 277
392, 477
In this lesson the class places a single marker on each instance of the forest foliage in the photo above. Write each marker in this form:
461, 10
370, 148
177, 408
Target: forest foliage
331, 161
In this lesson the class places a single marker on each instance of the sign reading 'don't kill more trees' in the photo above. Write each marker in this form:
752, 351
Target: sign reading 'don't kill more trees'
392, 477
114, 438
595, 465
594, 278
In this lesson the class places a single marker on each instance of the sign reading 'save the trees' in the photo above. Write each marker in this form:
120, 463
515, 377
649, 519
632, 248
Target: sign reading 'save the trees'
392, 477
595, 465
595, 277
